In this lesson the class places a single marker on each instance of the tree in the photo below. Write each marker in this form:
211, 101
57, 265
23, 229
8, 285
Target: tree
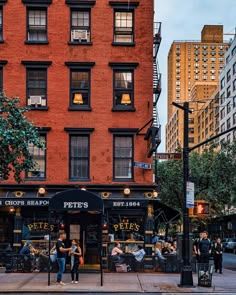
213, 173
16, 134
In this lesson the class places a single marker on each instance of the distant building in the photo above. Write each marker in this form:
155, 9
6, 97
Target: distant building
227, 102
191, 63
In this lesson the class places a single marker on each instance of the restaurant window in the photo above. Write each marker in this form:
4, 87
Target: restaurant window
39, 156
80, 26
79, 157
123, 157
37, 25
80, 85
126, 227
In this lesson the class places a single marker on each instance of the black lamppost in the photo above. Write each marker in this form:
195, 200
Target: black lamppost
186, 279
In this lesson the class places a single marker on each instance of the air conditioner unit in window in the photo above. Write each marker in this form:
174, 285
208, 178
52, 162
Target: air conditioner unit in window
35, 100
79, 35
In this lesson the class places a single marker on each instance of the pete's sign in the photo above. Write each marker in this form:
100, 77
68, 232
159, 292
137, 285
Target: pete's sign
40, 226
75, 205
126, 226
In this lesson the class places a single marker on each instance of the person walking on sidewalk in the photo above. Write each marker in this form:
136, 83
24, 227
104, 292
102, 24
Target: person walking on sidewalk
61, 256
75, 255
204, 248
218, 251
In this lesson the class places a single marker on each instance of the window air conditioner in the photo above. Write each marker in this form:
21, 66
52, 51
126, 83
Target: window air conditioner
79, 35
35, 100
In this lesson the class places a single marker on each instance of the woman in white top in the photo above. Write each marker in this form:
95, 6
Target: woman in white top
116, 252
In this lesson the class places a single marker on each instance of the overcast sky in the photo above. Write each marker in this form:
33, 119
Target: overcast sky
183, 20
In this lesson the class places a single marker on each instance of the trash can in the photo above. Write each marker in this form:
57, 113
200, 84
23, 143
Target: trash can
205, 272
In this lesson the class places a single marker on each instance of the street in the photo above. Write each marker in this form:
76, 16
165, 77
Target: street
229, 261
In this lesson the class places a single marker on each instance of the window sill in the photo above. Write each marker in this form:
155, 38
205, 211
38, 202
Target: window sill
80, 108
131, 44
80, 180
123, 180
123, 109
27, 42
35, 179
80, 43
37, 108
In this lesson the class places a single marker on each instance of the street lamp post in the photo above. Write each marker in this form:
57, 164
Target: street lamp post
186, 279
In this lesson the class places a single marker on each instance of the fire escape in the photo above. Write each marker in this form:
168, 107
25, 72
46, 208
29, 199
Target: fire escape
156, 79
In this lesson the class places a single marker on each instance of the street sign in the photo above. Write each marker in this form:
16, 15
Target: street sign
190, 194
169, 156
142, 165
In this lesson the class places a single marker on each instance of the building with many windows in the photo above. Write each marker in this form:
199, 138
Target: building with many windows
227, 102
88, 81
191, 63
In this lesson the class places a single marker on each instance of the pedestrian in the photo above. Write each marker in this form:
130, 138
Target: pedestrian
75, 255
61, 256
196, 246
218, 253
204, 248
155, 238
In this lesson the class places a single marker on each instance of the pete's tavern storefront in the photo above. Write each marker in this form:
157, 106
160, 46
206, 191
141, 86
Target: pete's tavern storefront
97, 219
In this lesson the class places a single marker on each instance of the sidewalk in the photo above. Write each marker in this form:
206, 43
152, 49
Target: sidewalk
113, 282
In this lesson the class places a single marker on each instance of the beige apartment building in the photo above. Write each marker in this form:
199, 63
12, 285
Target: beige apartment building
193, 72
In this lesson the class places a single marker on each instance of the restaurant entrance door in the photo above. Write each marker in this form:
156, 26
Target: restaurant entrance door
85, 227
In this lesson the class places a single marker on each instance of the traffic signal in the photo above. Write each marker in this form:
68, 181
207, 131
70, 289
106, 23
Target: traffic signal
201, 208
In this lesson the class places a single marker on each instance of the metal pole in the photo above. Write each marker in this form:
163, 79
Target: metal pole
186, 279
49, 248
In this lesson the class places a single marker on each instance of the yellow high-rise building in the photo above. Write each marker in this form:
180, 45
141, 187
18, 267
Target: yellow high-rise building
192, 63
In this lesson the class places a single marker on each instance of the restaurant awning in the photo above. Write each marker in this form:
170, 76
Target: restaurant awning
76, 200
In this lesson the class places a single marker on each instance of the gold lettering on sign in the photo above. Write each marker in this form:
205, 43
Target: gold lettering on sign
40, 226
126, 226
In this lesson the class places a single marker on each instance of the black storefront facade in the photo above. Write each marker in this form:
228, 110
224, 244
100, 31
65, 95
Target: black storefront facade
129, 218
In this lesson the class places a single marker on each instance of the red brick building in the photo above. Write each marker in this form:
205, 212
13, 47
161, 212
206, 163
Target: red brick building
85, 68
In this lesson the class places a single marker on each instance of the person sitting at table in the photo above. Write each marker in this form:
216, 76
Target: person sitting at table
116, 252
165, 249
25, 250
139, 254
158, 251
131, 238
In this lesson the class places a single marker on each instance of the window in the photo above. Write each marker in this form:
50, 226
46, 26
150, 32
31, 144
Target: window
191, 139
80, 26
123, 86
37, 25
228, 75
222, 83
2, 63
234, 119
228, 138
1, 35
228, 92
36, 83
222, 98
234, 68
79, 153
39, 156
79, 157
228, 123
234, 84
222, 127
233, 52
123, 157
191, 120
124, 27
80, 85
227, 58
222, 113
234, 101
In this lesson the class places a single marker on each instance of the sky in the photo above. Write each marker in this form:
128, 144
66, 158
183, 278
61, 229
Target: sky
184, 20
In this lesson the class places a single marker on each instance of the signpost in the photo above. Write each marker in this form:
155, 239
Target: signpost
143, 165
190, 194
169, 156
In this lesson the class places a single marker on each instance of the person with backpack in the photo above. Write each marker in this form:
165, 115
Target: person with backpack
196, 246
204, 248
218, 253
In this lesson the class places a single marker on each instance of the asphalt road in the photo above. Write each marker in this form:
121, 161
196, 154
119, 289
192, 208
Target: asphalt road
229, 261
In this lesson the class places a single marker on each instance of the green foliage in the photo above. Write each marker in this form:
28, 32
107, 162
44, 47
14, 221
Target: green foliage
16, 133
213, 173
